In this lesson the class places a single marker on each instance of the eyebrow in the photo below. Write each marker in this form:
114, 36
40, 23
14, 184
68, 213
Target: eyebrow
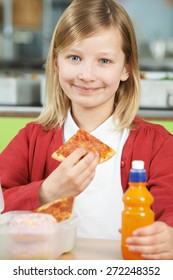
107, 53
99, 53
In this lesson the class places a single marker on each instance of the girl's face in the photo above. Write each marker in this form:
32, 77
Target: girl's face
90, 71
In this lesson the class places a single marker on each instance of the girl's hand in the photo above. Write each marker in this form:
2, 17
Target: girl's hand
71, 177
154, 242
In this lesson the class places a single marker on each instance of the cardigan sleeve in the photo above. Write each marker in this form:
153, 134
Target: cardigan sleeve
160, 180
154, 145
22, 167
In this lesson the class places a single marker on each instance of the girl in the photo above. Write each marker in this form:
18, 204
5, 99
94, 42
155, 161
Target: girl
92, 82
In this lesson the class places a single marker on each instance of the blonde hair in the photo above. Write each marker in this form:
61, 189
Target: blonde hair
82, 19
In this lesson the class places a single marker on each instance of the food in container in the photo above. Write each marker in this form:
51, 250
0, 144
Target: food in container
28, 235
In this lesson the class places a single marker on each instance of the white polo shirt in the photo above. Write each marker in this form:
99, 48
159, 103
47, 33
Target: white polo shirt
100, 205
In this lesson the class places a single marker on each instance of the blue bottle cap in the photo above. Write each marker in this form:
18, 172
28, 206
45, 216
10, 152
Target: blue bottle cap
137, 173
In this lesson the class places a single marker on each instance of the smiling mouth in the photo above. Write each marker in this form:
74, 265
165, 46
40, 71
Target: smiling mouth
88, 89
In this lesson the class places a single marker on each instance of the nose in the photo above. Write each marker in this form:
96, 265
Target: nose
87, 72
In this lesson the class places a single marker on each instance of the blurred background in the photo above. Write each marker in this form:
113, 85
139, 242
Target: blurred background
25, 31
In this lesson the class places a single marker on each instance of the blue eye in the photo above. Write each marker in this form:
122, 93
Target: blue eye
105, 61
74, 58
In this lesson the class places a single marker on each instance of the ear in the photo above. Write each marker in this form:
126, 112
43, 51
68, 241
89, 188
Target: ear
125, 73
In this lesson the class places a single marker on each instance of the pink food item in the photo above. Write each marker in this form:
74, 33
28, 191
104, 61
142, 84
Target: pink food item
29, 221
32, 236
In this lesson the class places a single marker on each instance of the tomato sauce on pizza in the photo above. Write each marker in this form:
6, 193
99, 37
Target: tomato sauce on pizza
83, 139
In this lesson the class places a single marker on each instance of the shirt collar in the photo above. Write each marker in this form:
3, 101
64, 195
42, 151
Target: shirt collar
70, 127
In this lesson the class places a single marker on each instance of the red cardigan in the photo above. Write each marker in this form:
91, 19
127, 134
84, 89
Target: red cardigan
27, 161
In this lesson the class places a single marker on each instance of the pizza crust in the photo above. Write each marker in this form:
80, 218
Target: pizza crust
60, 209
83, 139
108, 156
57, 156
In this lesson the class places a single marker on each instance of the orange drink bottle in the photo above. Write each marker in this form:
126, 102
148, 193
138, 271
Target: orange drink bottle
137, 202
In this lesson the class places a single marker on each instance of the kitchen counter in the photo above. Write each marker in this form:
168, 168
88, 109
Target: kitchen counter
34, 111
20, 111
158, 114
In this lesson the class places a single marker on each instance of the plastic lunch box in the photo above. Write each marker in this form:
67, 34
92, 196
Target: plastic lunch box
49, 243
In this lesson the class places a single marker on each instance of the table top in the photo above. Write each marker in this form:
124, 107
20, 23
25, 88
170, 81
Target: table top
94, 249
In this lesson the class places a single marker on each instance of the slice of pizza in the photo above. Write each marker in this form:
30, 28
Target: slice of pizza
83, 139
60, 209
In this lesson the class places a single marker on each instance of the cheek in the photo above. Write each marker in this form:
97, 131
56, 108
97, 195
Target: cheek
63, 73
64, 79
63, 70
112, 81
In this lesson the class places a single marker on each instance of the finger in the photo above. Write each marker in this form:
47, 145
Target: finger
87, 181
146, 240
151, 253
74, 157
88, 163
160, 256
85, 174
155, 228
155, 244
80, 175
149, 249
